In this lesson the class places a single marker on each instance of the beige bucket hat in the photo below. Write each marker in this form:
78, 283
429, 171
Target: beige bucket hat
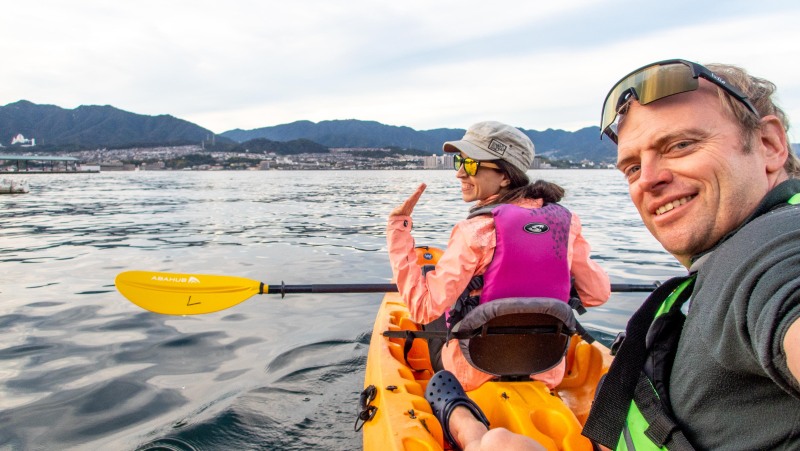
491, 140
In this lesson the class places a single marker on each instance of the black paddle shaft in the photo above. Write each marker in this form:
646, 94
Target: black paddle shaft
284, 289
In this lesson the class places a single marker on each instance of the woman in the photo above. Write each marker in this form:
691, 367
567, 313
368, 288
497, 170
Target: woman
491, 161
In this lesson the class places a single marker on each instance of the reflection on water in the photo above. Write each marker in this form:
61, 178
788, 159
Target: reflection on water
82, 368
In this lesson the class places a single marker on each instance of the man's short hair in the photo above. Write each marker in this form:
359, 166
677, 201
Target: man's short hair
760, 92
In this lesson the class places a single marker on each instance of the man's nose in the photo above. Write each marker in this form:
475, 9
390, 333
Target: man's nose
653, 174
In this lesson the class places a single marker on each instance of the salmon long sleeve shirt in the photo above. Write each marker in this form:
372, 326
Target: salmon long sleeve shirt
469, 252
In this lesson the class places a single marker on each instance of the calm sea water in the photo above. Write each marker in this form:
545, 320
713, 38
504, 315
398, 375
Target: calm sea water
83, 368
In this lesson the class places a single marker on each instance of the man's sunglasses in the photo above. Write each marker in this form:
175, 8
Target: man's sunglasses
656, 81
471, 166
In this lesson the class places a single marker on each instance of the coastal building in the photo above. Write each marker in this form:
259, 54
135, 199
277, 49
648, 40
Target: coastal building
116, 165
430, 162
538, 163
38, 163
154, 166
437, 162
22, 141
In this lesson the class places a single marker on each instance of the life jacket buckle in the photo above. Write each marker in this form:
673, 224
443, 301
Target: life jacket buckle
618, 340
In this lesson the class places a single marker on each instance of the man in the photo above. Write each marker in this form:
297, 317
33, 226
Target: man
711, 171
712, 174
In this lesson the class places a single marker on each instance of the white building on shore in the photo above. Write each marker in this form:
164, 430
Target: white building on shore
23, 141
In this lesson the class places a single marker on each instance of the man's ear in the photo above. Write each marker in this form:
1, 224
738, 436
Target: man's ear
772, 139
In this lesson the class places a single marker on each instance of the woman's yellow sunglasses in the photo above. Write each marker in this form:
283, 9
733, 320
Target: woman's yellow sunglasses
471, 166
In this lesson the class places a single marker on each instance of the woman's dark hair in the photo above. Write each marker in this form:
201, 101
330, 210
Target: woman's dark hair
522, 188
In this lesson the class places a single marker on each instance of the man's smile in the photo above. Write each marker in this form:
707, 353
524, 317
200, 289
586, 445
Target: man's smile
673, 204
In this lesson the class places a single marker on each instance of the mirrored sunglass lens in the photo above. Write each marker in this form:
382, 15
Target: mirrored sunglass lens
650, 84
457, 162
664, 81
470, 166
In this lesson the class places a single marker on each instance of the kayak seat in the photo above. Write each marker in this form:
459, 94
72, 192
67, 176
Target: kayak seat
510, 338
513, 338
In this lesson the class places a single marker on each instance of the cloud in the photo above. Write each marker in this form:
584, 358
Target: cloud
248, 64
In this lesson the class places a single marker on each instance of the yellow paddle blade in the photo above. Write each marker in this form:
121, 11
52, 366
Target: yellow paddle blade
185, 294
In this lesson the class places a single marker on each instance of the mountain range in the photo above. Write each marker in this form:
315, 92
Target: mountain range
558, 144
92, 126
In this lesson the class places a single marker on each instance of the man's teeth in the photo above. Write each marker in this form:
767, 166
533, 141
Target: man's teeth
675, 203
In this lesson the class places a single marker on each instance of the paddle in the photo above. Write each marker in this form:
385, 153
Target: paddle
196, 294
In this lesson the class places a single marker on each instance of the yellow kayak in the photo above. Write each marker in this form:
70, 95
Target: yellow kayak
396, 416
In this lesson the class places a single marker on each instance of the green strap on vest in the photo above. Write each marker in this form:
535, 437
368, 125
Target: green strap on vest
660, 431
607, 419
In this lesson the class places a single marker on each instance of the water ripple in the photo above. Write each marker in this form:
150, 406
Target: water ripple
83, 368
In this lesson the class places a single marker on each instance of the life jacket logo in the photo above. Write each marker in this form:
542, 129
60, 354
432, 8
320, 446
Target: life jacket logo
536, 227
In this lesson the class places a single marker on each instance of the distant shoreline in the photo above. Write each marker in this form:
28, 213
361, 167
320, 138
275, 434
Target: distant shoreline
264, 170
47, 172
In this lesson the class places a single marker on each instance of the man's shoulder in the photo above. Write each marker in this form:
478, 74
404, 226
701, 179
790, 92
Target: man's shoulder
758, 255
776, 222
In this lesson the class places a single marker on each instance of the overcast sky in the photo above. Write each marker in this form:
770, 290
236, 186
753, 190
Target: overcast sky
424, 64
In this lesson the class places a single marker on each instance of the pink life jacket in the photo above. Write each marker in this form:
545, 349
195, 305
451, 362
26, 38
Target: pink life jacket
530, 259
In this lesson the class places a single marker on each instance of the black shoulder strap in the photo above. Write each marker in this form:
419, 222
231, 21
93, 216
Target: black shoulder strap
575, 298
465, 303
587, 337
609, 410
487, 210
